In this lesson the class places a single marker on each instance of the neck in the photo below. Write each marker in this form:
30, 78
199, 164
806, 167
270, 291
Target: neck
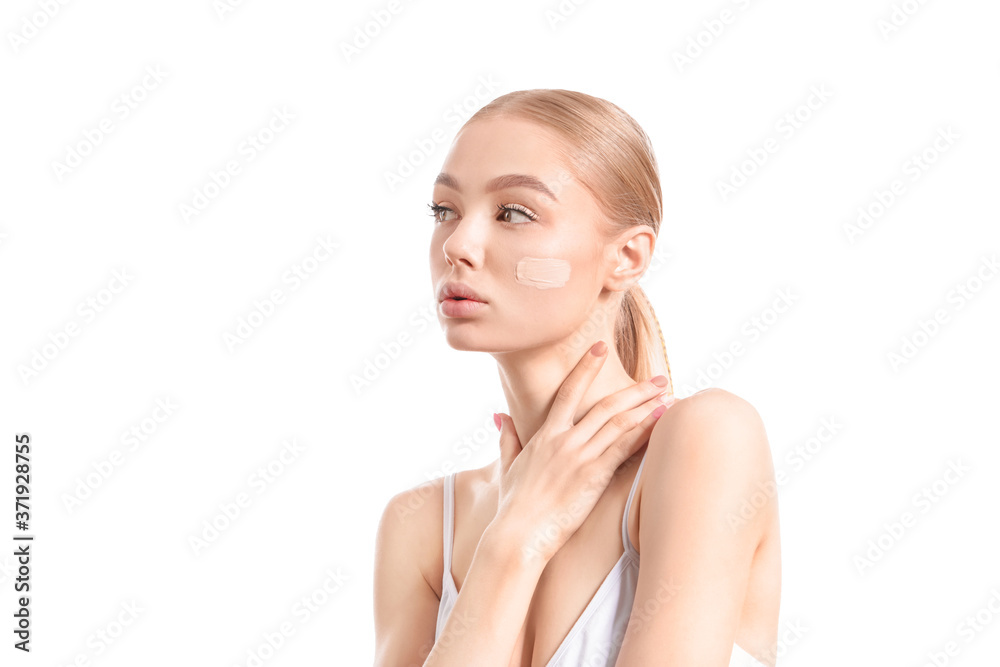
532, 377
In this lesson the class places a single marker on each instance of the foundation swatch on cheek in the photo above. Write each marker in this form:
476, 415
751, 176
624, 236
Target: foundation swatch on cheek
542, 272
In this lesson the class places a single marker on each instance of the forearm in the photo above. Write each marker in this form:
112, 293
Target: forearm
491, 607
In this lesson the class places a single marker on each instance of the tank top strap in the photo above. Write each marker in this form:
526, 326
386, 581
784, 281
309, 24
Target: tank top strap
626, 542
449, 520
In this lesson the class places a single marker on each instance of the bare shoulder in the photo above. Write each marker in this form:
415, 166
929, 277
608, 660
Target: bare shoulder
706, 456
411, 506
413, 521
715, 424
708, 450
408, 519
405, 597
714, 403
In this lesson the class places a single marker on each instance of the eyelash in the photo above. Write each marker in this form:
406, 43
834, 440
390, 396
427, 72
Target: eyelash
436, 210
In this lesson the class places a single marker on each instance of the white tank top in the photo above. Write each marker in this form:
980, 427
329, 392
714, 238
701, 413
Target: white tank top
600, 629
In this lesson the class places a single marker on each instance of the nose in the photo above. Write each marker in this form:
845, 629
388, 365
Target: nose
465, 244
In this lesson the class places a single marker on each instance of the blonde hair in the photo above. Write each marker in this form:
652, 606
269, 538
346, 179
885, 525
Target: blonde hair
610, 154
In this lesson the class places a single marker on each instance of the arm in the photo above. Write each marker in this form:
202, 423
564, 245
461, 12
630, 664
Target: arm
490, 609
491, 606
405, 604
706, 456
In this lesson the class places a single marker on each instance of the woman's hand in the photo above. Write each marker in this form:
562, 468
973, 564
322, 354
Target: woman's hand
551, 484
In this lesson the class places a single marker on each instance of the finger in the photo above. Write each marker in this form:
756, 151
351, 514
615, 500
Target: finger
571, 391
623, 429
510, 444
627, 444
606, 409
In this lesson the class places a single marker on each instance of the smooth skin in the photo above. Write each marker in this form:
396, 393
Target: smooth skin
570, 446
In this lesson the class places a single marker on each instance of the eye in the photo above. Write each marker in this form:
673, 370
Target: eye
510, 210
437, 210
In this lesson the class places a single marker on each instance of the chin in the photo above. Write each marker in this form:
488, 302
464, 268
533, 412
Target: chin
463, 335
459, 335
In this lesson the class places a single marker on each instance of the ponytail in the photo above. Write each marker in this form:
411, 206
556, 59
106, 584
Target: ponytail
639, 339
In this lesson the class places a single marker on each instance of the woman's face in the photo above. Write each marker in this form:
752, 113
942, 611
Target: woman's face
538, 264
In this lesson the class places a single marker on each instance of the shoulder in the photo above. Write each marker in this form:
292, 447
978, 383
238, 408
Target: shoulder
419, 511
406, 591
705, 455
410, 508
709, 452
712, 424
408, 518
412, 523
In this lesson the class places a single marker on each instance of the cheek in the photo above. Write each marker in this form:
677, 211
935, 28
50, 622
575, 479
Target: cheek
542, 272
552, 295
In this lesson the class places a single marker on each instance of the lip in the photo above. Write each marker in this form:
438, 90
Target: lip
450, 290
469, 303
460, 308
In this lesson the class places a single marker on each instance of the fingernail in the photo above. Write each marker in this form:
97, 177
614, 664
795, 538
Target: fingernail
659, 411
496, 420
659, 380
599, 348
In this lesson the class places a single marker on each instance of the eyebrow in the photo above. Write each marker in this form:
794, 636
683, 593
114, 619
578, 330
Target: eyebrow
501, 183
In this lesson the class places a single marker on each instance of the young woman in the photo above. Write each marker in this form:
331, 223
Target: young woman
545, 216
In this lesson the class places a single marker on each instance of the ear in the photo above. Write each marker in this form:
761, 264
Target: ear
627, 257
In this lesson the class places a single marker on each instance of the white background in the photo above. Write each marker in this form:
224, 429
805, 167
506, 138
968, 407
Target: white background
323, 176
